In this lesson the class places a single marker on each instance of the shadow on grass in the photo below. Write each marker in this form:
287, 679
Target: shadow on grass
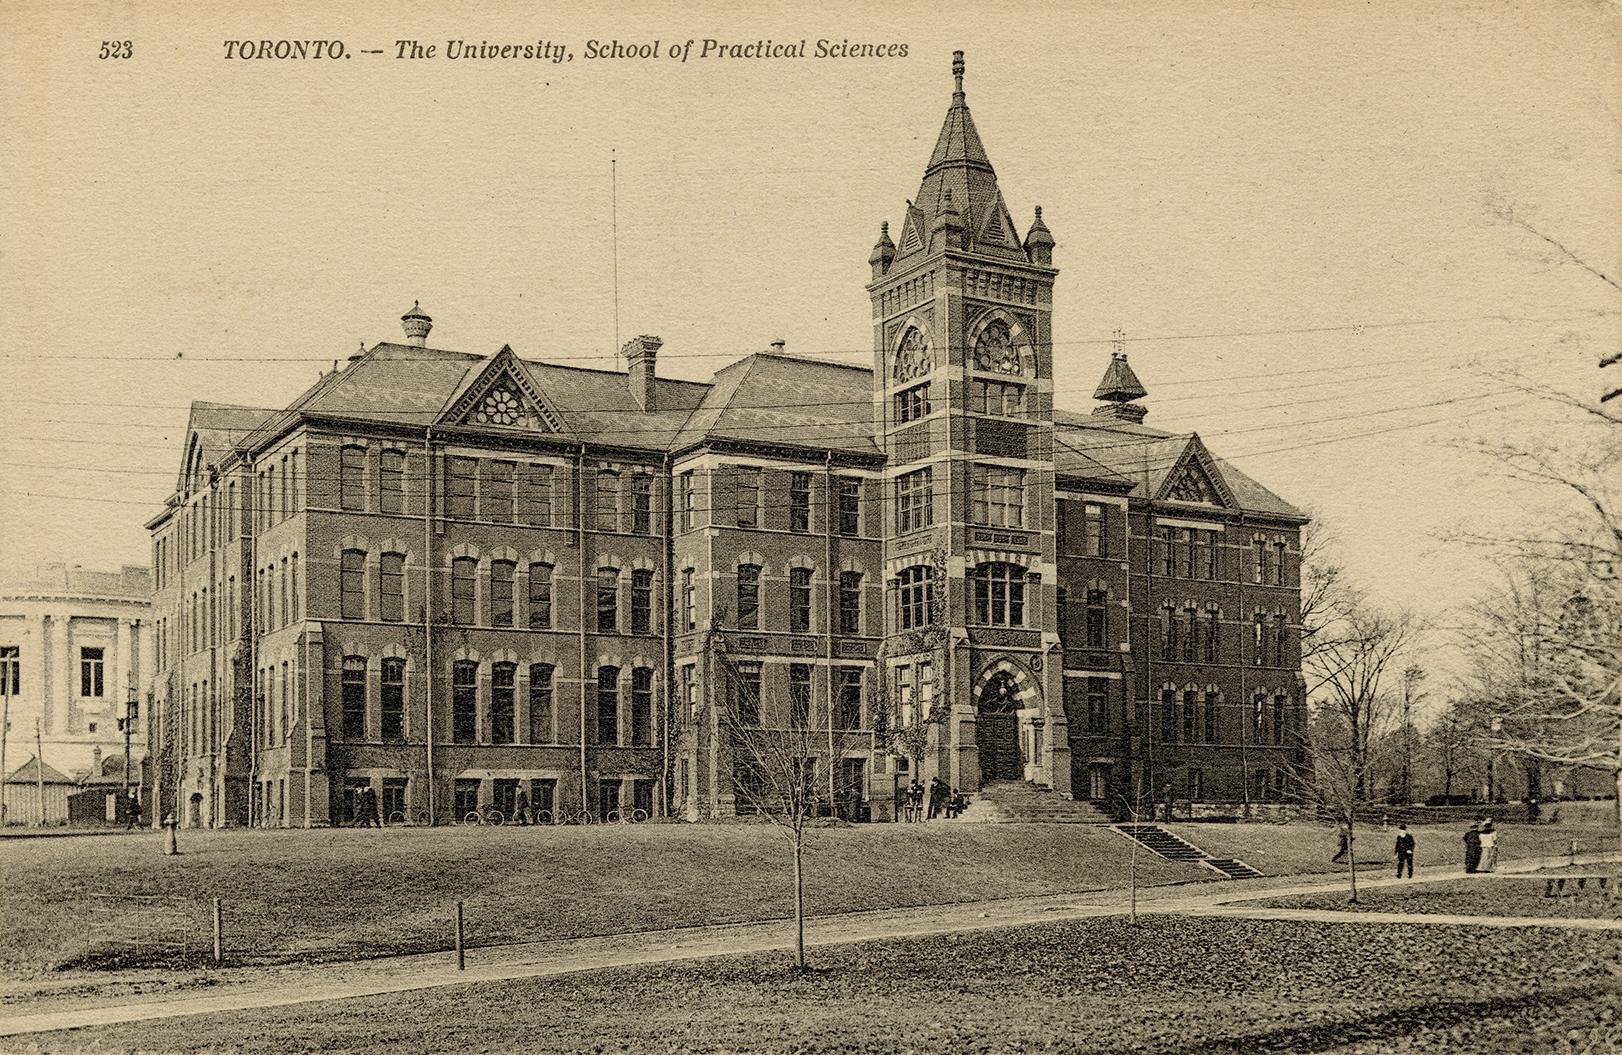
1388, 1025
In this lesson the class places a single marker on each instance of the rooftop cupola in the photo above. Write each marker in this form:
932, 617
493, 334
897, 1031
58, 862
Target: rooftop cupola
1039, 241
883, 252
1119, 390
416, 325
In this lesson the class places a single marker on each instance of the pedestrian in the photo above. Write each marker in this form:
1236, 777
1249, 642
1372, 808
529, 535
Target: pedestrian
1472, 849
956, 804
1534, 810
1405, 851
915, 801
937, 792
521, 808
132, 815
1343, 838
374, 813
171, 845
1489, 846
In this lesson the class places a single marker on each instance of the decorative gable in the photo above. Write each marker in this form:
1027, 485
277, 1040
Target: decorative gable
999, 228
1195, 479
503, 397
912, 235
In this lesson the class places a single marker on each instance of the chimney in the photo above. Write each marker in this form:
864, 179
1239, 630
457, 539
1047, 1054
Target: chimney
416, 325
640, 354
780, 347
95, 761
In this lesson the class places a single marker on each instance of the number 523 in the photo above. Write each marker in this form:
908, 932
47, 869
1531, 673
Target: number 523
117, 49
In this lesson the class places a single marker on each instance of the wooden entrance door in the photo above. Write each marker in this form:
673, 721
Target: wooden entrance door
997, 736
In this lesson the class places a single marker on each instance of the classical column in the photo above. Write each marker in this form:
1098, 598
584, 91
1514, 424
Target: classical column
58, 711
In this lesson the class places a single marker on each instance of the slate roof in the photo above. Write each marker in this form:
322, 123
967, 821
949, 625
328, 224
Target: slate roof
769, 397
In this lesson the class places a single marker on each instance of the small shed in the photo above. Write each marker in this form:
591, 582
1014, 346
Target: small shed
22, 794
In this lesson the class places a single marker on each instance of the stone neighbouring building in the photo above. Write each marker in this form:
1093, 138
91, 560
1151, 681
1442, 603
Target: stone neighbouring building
450, 578
75, 649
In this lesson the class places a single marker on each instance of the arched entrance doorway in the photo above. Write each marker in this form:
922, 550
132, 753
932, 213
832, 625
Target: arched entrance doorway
997, 729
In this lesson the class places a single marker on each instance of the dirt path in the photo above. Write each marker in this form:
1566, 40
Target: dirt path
260, 988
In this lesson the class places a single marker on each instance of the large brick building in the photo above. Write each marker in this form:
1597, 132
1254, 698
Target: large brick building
451, 577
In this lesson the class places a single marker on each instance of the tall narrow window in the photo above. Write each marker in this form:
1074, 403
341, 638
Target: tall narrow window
687, 517
850, 602
799, 600
351, 480
914, 501
1097, 541
1281, 703
535, 495
1260, 560
689, 600
1213, 701
92, 664
391, 482
464, 701
461, 487
748, 597
354, 697
540, 703
608, 705
999, 497
393, 698
391, 587
642, 601
848, 714
1168, 551
498, 491
642, 504
1098, 706
1258, 715
540, 596
608, 600
1281, 635
799, 695
926, 686
917, 596
1168, 715
689, 689
905, 704
503, 708
503, 584
912, 404
999, 594
352, 585
1277, 575
1208, 648
642, 707
1259, 643
1168, 633
748, 689
1097, 618
1190, 634
850, 506
608, 500
1212, 549
1190, 716
799, 502
748, 505
1187, 538
464, 574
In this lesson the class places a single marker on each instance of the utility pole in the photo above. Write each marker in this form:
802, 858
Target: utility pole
5, 728
39, 771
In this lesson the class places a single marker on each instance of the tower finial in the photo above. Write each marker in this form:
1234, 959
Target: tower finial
957, 74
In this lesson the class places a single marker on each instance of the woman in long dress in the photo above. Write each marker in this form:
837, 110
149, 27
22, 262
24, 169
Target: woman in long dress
1489, 845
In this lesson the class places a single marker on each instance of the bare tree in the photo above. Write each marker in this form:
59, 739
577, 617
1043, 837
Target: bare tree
1447, 744
778, 746
1349, 737
1327, 596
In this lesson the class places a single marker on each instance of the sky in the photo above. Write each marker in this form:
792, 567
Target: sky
1311, 221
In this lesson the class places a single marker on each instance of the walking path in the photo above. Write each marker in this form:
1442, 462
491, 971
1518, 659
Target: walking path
260, 988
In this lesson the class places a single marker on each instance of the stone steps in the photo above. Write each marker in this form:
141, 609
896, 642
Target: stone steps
1165, 844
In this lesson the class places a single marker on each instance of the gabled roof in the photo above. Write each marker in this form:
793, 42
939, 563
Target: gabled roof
773, 398
29, 773
1119, 383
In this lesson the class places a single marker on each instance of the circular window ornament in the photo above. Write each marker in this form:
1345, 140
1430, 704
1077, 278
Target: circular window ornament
994, 350
500, 407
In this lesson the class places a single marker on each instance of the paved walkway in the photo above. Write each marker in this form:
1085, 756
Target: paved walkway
260, 988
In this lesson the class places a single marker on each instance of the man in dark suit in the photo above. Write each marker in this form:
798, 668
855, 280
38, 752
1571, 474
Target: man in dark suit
1472, 849
1405, 851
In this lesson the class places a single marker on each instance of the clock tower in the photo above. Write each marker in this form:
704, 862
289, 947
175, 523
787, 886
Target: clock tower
963, 410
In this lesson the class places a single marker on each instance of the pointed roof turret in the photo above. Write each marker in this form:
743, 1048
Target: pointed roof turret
883, 252
959, 178
1119, 388
1039, 241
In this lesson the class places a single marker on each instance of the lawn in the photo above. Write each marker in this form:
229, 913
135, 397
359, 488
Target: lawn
1174, 984
1292, 849
348, 893
1478, 896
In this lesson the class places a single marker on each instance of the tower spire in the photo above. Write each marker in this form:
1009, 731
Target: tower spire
957, 77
